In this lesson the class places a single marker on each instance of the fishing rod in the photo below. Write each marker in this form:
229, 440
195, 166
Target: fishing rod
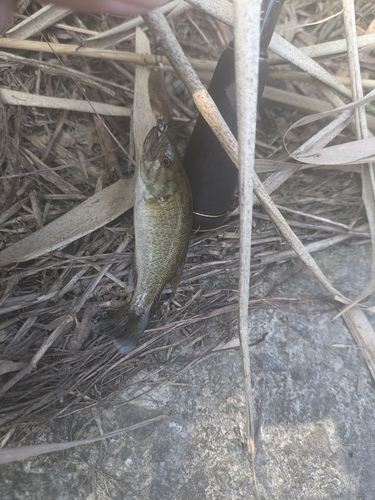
212, 174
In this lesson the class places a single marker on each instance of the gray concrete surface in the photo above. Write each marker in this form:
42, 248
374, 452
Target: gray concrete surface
317, 435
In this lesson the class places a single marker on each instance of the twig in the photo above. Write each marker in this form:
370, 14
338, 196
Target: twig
315, 246
8, 455
81, 302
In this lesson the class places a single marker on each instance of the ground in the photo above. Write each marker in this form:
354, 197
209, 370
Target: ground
315, 426
314, 396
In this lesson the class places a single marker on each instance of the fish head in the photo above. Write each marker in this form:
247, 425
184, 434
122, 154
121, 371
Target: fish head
161, 163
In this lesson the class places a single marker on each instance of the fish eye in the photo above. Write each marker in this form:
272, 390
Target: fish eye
167, 162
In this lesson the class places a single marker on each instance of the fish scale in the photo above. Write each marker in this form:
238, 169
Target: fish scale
160, 266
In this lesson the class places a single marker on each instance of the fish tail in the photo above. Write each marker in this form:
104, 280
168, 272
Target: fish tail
124, 326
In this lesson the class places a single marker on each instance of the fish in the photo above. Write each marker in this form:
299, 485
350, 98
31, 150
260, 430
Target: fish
163, 212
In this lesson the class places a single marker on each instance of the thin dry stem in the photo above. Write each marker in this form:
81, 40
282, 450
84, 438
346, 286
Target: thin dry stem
246, 63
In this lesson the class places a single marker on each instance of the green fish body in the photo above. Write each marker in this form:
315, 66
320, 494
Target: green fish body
162, 226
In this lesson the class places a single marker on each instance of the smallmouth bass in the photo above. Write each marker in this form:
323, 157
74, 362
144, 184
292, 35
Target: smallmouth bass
162, 225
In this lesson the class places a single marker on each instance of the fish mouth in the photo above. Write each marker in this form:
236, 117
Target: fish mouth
153, 142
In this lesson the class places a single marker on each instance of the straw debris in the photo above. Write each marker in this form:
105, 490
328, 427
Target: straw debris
68, 143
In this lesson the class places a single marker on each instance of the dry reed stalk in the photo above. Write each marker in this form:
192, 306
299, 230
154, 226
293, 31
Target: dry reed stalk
13, 454
246, 22
333, 48
355, 319
93, 53
119, 33
37, 22
303, 77
143, 118
16, 98
223, 11
368, 172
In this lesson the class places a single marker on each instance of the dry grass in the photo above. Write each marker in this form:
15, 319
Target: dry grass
53, 159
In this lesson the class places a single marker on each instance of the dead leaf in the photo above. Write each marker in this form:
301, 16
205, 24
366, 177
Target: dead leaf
356, 152
93, 213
